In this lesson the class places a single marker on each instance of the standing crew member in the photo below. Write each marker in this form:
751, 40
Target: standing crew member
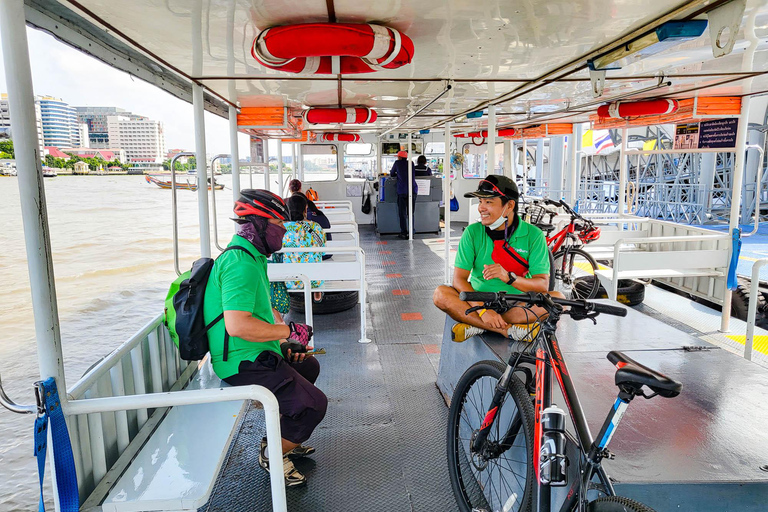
400, 171
246, 348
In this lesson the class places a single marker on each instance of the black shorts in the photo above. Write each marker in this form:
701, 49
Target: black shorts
302, 405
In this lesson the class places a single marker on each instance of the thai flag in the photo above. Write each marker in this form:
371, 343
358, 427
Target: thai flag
602, 140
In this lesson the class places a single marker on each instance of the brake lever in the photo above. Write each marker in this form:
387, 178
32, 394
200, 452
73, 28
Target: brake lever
584, 315
473, 309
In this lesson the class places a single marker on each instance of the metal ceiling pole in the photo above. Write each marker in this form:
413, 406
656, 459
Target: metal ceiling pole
447, 201
202, 171
235, 152
508, 170
525, 167
622, 172
266, 163
539, 165
410, 190
34, 212
280, 167
490, 167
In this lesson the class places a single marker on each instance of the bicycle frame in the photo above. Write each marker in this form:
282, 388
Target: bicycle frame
555, 242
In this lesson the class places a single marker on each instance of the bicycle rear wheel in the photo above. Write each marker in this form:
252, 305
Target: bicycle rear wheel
575, 274
617, 504
501, 479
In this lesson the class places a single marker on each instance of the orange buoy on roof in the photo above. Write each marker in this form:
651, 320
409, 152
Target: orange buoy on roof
356, 115
341, 137
504, 132
689, 110
623, 109
312, 48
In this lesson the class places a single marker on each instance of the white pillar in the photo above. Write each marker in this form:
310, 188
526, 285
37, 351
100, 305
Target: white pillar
234, 153
280, 167
447, 201
622, 172
202, 171
410, 190
575, 164
539, 165
707, 166
525, 167
266, 164
508, 171
490, 167
34, 212
380, 160
300, 162
293, 159
556, 164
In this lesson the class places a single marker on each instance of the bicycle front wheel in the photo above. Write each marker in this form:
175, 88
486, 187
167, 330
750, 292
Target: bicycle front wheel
617, 504
500, 479
575, 274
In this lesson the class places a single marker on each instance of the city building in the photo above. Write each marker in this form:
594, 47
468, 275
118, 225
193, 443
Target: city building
5, 120
141, 138
96, 120
107, 154
60, 126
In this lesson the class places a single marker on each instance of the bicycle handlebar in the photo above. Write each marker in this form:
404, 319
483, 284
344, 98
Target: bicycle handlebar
539, 299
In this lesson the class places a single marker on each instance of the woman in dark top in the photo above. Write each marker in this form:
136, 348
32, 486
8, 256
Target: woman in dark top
421, 168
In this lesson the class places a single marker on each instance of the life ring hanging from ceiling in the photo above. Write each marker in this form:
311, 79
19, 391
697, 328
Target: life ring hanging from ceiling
504, 132
313, 48
623, 109
341, 137
355, 115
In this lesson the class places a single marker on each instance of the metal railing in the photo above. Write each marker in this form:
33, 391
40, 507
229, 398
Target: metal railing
752, 310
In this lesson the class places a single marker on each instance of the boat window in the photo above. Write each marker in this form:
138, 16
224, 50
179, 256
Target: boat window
359, 162
319, 162
475, 157
435, 148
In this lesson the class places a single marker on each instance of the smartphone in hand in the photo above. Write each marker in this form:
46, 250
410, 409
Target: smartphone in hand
315, 352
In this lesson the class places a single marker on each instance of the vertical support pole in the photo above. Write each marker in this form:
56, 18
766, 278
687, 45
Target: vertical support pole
575, 167
707, 166
280, 167
556, 161
380, 160
447, 200
410, 190
525, 167
508, 170
622, 173
300, 162
34, 212
266, 164
234, 153
293, 159
539, 166
490, 167
202, 170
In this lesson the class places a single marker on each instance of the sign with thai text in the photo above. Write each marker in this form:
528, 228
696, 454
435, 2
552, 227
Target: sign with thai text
718, 133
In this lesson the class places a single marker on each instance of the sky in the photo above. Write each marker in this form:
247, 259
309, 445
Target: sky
61, 71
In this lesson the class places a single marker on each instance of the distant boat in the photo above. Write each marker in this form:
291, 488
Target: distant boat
182, 185
49, 172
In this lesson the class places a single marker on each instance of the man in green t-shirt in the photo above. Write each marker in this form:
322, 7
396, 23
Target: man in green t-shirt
246, 348
501, 252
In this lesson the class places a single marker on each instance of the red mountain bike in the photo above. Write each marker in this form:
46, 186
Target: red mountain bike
508, 452
574, 269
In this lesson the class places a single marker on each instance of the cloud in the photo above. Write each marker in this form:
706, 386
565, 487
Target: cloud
61, 71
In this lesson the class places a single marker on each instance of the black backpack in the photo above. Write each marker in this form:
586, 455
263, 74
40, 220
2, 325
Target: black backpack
184, 310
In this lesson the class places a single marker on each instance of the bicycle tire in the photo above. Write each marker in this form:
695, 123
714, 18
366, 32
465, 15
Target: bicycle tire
466, 414
575, 274
617, 504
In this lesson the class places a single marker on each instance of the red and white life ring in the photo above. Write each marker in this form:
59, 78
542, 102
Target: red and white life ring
341, 137
356, 115
332, 48
624, 109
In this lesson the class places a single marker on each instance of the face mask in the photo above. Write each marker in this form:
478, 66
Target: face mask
498, 222
267, 238
273, 237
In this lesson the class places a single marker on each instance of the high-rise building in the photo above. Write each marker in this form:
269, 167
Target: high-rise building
96, 119
5, 121
60, 127
141, 138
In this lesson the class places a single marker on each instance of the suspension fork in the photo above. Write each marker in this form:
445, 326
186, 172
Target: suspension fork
490, 416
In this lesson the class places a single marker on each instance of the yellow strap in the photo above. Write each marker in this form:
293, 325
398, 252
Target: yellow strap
481, 312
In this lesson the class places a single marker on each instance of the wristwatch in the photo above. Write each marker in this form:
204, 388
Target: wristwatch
512, 277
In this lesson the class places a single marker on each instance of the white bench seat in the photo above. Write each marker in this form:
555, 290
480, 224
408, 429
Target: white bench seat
607, 275
178, 466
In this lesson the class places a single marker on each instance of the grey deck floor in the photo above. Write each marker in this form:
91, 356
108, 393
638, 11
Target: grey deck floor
381, 446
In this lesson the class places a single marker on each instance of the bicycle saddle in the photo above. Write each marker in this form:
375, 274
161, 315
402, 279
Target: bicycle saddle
632, 374
546, 228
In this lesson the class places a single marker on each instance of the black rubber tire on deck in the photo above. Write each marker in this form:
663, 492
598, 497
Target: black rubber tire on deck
522, 400
617, 504
332, 302
630, 293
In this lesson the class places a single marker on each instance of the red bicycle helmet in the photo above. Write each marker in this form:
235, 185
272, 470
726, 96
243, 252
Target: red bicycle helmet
261, 203
589, 234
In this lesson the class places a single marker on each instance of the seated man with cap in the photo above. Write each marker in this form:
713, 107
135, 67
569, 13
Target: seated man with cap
501, 252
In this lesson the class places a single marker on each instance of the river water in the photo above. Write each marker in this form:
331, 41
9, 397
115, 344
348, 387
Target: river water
111, 238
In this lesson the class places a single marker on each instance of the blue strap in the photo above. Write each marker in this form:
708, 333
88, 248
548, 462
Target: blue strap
733, 283
576, 206
64, 462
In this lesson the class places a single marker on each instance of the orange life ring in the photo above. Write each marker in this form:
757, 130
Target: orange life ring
356, 115
313, 47
341, 137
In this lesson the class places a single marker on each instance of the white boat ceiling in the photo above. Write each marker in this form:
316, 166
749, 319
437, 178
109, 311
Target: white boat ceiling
489, 48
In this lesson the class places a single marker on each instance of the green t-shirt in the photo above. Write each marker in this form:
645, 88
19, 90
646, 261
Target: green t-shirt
477, 249
239, 283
